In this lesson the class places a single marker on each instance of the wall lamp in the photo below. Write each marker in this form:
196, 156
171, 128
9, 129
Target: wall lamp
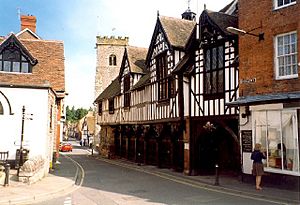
243, 32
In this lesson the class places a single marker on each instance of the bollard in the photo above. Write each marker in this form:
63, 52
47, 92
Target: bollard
7, 168
217, 175
139, 159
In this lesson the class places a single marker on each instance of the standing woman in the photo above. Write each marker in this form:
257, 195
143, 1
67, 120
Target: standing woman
257, 167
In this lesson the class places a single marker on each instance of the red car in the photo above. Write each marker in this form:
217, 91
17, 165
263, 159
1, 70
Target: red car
65, 147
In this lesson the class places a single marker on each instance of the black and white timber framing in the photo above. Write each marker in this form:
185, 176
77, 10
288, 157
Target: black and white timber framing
168, 107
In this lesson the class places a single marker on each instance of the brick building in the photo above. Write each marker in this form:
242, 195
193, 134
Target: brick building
32, 77
270, 86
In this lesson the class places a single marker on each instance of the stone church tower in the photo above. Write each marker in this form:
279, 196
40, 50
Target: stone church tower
109, 58
110, 51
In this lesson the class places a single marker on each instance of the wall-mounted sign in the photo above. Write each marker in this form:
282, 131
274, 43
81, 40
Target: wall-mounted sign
247, 81
246, 140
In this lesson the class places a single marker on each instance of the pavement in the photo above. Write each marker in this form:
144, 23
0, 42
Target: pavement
62, 181
59, 182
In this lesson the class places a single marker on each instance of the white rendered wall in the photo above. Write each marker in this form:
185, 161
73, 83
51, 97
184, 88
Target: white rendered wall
35, 130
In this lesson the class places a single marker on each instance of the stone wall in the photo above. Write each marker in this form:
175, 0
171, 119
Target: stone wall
32, 170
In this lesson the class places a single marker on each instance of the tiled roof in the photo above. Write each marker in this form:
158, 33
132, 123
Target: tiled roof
142, 82
231, 8
177, 30
223, 20
49, 70
265, 98
136, 57
112, 90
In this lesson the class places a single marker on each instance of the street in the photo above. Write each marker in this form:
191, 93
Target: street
109, 184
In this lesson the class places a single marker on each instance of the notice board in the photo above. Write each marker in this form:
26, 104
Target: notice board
246, 140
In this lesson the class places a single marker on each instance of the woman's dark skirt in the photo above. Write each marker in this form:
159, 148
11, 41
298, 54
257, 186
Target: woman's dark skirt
257, 169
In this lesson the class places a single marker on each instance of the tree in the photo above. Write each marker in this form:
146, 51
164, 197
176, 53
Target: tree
80, 113
73, 115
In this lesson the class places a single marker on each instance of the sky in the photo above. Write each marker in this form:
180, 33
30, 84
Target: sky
78, 22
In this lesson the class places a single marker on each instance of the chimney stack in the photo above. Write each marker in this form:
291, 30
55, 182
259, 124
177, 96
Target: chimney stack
28, 22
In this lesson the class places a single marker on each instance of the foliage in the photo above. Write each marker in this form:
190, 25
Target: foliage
73, 115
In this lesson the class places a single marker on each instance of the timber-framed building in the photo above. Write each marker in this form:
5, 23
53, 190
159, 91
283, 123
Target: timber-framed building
168, 105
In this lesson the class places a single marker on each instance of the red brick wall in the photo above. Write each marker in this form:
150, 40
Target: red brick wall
28, 22
257, 58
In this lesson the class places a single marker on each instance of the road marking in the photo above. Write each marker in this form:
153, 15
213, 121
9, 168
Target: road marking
68, 201
199, 185
77, 171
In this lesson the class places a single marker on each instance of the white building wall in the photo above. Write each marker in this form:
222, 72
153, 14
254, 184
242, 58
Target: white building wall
35, 130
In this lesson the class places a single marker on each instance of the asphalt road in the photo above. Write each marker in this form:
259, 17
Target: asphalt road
108, 184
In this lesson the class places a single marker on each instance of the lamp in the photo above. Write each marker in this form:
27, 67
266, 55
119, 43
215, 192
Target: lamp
243, 32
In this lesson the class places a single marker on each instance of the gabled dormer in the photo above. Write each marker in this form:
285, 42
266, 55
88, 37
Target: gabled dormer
169, 33
14, 57
159, 42
167, 47
213, 26
132, 69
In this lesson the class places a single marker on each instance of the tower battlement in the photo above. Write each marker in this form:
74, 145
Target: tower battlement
112, 40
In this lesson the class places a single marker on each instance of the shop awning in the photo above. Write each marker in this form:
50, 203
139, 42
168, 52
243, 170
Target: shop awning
265, 98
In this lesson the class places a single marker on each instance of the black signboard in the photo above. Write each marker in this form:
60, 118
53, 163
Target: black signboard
246, 140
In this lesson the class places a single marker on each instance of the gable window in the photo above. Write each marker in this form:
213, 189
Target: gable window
111, 108
214, 71
100, 108
126, 90
286, 56
162, 73
11, 60
283, 3
1, 109
112, 60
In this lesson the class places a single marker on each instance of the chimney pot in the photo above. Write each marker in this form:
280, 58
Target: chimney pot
29, 22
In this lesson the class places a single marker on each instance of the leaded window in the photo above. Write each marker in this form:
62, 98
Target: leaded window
127, 90
286, 55
111, 108
12, 60
162, 76
214, 71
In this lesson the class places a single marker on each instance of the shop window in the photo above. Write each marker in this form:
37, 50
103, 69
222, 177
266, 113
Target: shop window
277, 132
283, 3
112, 60
286, 56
